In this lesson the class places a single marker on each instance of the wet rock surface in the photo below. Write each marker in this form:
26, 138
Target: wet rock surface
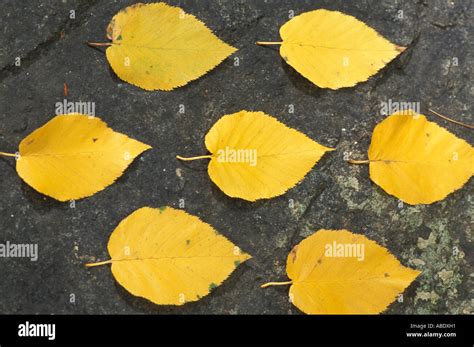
436, 70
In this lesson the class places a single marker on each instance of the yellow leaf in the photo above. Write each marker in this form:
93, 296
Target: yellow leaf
254, 156
74, 156
157, 46
339, 272
170, 257
334, 50
418, 161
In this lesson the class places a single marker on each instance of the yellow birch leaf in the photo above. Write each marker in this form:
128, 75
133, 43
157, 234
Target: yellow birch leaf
334, 50
254, 156
74, 156
339, 272
170, 257
157, 46
418, 161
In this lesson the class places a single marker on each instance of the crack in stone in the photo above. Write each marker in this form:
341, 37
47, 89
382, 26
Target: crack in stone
36, 53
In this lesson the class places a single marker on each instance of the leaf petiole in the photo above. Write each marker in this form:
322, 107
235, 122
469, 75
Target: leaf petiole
351, 161
99, 263
265, 43
194, 158
8, 154
275, 284
98, 44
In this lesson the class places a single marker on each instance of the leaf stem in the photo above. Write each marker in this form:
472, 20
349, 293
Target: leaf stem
452, 120
351, 161
8, 154
194, 158
99, 263
264, 43
97, 44
275, 284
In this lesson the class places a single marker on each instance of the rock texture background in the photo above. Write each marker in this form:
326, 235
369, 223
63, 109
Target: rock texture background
436, 239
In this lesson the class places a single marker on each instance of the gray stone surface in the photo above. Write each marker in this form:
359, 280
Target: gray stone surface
333, 195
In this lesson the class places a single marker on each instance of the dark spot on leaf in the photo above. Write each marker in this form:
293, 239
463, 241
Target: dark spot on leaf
188, 242
94, 139
386, 274
162, 208
119, 37
237, 263
212, 286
